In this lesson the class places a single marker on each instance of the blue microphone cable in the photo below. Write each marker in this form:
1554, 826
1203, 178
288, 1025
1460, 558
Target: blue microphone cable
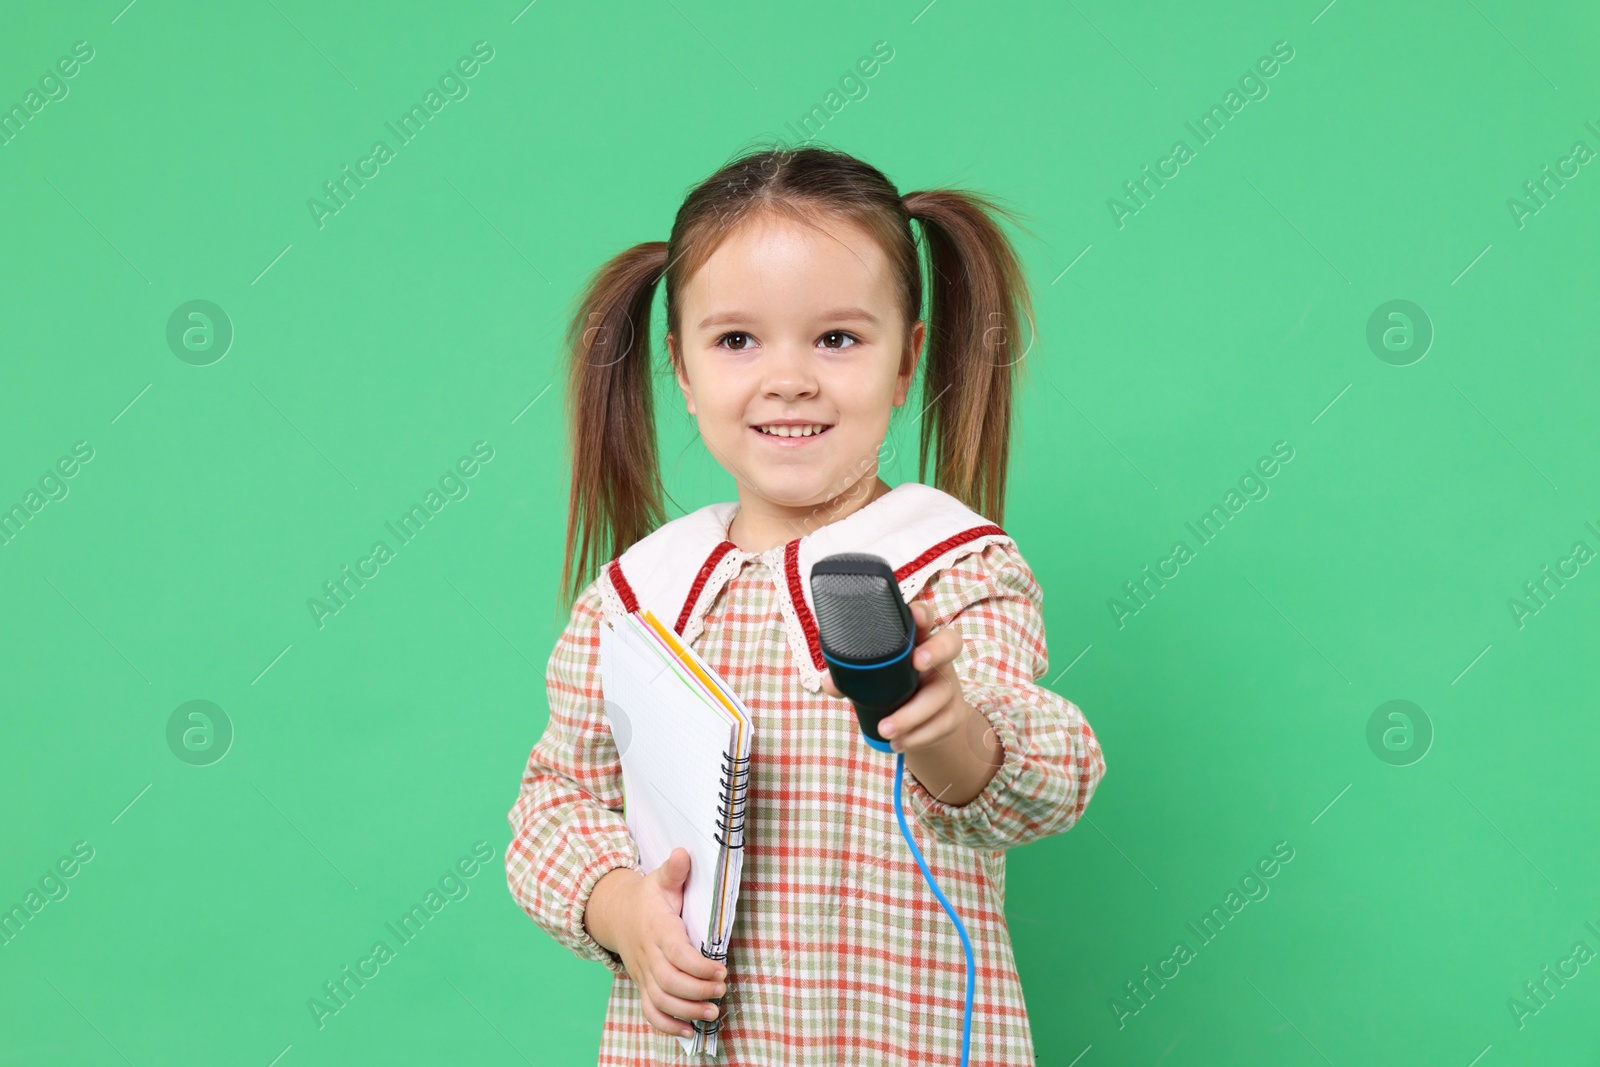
899, 812
859, 603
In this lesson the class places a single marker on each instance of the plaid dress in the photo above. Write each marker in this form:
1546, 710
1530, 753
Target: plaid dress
839, 953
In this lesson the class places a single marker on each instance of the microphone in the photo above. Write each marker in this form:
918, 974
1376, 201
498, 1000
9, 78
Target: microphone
867, 633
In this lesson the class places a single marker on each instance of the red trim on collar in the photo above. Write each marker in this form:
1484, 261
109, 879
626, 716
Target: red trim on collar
630, 603
808, 622
907, 570
700, 581
791, 566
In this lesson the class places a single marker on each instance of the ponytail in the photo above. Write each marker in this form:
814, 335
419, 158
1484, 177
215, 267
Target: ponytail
616, 478
977, 296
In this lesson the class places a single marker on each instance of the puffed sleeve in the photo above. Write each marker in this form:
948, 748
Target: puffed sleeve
1052, 760
567, 823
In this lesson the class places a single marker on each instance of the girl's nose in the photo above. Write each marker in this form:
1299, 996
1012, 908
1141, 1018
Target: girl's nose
788, 373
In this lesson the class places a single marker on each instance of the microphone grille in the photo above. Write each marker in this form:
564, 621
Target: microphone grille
858, 615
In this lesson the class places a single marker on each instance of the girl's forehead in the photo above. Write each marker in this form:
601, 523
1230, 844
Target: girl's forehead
778, 261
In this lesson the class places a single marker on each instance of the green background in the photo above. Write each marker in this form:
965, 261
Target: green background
1229, 313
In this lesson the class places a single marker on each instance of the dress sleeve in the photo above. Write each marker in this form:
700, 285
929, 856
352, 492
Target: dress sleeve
567, 824
1052, 760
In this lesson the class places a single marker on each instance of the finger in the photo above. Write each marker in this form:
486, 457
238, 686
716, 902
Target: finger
828, 686
936, 651
672, 871
674, 874
686, 986
663, 1022
923, 618
679, 1008
940, 727
916, 711
684, 957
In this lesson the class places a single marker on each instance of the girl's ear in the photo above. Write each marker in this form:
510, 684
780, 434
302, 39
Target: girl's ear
914, 341
679, 372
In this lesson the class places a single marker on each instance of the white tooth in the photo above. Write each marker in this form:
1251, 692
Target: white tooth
793, 431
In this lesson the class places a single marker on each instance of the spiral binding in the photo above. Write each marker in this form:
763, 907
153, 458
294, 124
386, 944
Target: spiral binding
732, 794
716, 950
731, 798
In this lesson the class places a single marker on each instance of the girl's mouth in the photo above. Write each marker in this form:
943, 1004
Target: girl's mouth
791, 435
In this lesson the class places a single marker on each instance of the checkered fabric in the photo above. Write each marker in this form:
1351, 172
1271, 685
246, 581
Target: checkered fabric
839, 954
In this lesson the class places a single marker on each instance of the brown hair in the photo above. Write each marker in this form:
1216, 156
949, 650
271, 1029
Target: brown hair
976, 300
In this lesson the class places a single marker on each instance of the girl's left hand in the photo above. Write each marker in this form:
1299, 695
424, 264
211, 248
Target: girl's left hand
937, 711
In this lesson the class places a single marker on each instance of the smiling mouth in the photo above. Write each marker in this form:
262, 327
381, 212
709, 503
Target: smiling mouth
815, 429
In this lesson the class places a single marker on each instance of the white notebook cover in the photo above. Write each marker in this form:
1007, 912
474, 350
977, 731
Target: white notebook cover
677, 742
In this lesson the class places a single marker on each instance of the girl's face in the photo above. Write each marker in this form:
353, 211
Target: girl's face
789, 358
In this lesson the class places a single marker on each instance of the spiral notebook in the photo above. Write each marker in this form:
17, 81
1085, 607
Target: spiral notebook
683, 739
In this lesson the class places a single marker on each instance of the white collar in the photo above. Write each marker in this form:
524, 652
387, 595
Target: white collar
678, 570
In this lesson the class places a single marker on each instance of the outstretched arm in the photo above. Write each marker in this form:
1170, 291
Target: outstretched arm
1016, 762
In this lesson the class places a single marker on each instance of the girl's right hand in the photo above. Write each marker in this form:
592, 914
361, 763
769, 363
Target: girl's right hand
675, 977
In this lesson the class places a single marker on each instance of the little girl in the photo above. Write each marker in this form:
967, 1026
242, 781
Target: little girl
793, 304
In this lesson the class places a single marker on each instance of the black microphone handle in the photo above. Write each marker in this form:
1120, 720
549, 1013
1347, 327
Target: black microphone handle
876, 691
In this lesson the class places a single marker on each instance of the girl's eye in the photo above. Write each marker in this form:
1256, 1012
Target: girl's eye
725, 341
